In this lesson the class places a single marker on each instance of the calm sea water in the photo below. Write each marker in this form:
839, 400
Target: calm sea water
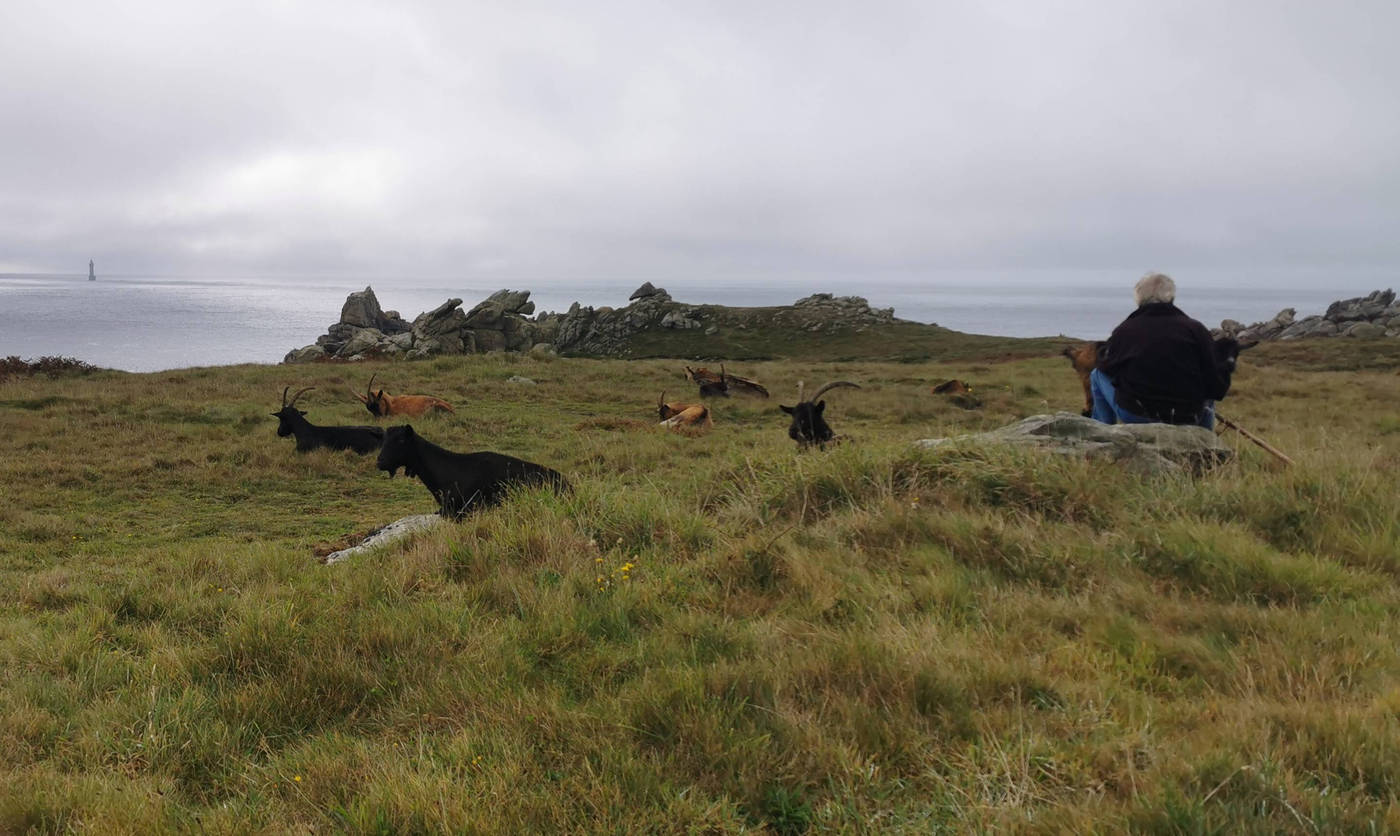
140, 323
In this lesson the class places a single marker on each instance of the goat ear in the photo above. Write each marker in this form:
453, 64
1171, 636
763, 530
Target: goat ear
786, 409
363, 399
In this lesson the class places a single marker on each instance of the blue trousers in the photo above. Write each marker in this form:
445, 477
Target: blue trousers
1107, 410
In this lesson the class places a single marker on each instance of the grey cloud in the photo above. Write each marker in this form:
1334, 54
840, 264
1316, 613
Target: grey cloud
727, 139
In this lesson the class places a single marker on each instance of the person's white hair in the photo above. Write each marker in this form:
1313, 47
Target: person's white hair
1154, 287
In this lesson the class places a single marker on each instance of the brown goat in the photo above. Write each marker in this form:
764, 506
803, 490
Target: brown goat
684, 416
383, 405
1084, 357
712, 384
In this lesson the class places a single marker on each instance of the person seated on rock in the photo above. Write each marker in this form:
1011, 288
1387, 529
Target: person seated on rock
1159, 364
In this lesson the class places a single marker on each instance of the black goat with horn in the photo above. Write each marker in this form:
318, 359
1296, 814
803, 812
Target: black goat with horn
292, 421
460, 482
808, 426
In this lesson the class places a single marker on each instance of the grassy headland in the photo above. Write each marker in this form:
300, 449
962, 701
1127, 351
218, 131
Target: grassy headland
748, 334
710, 634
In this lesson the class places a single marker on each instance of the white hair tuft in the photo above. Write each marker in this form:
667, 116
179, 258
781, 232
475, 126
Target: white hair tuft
1154, 287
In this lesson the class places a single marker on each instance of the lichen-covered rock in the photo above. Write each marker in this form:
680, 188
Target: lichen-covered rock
391, 533
363, 341
1365, 331
679, 319
1148, 448
488, 340
361, 309
513, 301
305, 354
647, 290
486, 314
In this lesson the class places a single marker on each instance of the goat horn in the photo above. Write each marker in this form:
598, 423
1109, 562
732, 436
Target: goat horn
721, 373
284, 394
298, 394
800, 387
835, 384
661, 401
369, 387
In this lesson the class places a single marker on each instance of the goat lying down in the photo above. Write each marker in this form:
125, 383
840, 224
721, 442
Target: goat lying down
383, 405
719, 385
677, 415
460, 482
292, 421
808, 427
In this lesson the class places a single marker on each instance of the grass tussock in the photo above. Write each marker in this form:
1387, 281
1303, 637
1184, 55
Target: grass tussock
715, 633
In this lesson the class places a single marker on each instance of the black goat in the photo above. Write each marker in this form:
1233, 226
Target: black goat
460, 482
1227, 353
292, 421
808, 426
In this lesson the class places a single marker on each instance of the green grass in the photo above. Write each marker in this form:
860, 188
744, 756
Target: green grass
747, 334
711, 634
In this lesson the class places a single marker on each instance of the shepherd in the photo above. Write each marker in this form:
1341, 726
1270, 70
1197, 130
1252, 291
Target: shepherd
1159, 365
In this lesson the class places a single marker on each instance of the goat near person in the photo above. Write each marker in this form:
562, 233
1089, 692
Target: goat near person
383, 405
461, 482
292, 421
1085, 356
689, 416
808, 426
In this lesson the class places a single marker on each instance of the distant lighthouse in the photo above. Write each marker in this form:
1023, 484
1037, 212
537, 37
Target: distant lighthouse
92, 273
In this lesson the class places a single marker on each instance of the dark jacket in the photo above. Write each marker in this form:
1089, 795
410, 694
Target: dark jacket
1162, 365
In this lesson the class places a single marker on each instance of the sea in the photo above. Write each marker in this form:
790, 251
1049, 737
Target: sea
142, 323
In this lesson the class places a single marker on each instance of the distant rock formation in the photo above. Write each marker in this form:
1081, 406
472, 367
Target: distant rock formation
1364, 317
502, 322
365, 330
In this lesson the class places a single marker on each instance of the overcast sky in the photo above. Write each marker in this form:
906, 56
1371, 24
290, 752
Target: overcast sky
570, 140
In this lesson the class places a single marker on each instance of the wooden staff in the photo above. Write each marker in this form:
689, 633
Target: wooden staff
1252, 437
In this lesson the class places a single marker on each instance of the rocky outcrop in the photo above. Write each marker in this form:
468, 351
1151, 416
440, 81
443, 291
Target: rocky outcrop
823, 311
365, 330
502, 322
1365, 317
1147, 448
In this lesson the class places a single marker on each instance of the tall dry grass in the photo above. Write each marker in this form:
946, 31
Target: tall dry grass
710, 634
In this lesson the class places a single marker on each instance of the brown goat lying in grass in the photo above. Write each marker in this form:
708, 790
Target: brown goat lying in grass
684, 416
383, 405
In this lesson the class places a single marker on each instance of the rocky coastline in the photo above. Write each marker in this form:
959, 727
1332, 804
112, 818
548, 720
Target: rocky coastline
506, 321
1372, 316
